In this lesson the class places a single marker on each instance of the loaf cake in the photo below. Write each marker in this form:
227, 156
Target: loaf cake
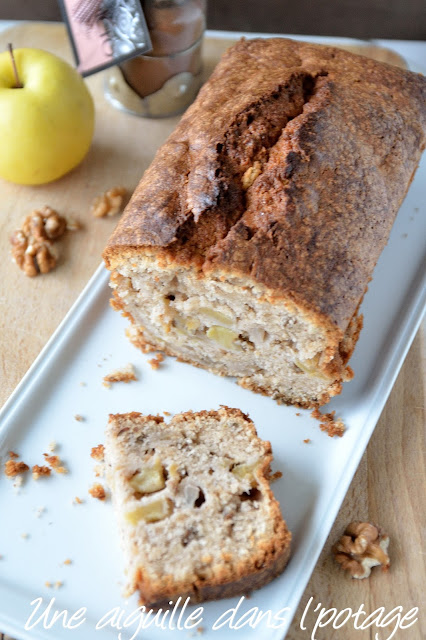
197, 517
248, 245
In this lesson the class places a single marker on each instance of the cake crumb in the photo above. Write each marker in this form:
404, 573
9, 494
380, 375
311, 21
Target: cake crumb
156, 361
55, 463
12, 468
52, 446
79, 418
58, 584
13, 455
307, 440
99, 470
78, 500
167, 413
275, 476
68, 561
82, 384
97, 491
48, 584
98, 452
126, 374
39, 511
40, 471
25, 536
328, 423
298, 414
17, 484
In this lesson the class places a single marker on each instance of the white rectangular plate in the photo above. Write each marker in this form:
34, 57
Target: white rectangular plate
90, 343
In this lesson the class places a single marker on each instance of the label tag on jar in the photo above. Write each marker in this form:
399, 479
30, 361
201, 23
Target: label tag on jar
105, 32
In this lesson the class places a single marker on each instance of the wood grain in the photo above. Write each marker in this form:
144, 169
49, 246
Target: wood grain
388, 489
390, 483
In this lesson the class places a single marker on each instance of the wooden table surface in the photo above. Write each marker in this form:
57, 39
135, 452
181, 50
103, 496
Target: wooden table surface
389, 486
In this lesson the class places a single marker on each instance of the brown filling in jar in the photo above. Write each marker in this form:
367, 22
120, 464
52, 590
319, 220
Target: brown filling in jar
176, 28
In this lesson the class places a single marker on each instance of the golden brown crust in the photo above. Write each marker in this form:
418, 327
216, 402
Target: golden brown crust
338, 137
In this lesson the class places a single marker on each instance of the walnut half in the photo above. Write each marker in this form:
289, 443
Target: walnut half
362, 547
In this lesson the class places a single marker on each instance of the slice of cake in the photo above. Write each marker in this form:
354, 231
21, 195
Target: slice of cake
250, 241
195, 511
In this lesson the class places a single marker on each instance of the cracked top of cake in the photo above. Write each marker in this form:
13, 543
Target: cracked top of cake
289, 169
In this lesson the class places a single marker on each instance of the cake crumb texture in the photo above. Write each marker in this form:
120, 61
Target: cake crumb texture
124, 374
194, 507
98, 452
40, 471
13, 468
97, 491
329, 423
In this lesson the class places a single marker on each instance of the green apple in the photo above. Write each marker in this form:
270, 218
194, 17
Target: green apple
46, 126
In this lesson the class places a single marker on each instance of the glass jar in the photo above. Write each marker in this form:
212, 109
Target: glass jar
166, 80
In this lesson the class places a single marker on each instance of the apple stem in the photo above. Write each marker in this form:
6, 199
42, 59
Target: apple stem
18, 83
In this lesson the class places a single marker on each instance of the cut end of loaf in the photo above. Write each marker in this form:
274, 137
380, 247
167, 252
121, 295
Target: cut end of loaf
230, 326
196, 514
249, 243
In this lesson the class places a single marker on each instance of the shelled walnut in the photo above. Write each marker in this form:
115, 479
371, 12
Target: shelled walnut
32, 244
109, 203
362, 547
44, 224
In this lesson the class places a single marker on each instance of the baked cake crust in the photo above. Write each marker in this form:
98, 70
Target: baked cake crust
338, 140
282, 181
